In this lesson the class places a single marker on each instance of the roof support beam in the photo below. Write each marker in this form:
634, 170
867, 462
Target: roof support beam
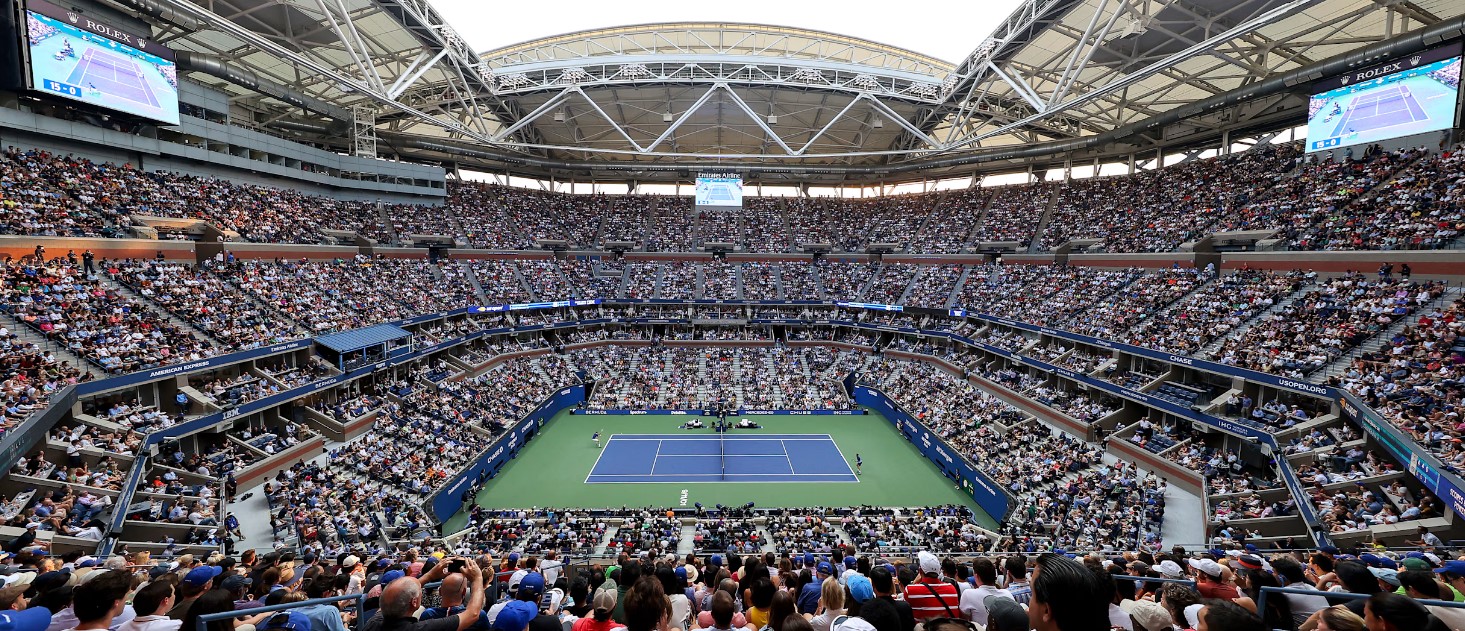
414, 72
757, 118
1022, 88
696, 105
1277, 12
553, 102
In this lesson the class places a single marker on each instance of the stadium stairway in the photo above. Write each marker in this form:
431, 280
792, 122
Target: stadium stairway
158, 309
1209, 350
916, 277
1036, 244
818, 281
473, 282
1340, 365
915, 235
869, 282
660, 272
951, 298
33, 336
610, 533
385, 217
299, 329
525, 284
777, 270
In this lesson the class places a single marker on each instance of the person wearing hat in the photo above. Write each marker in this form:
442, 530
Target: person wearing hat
401, 599
604, 602
152, 603
809, 596
33, 619
530, 589
1147, 615
197, 581
12, 598
237, 586
1209, 582
929, 596
973, 601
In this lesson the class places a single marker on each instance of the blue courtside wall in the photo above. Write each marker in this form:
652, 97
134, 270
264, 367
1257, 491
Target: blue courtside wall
448, 500
992, 498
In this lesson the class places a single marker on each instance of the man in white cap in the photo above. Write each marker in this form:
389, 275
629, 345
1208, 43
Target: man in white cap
1170, 569
929, 596
1209, 582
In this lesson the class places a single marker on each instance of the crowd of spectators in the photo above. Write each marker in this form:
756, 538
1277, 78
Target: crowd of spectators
700, 378
1157, 210
197, 294
336, 295
1212, 311
1413, 380
94, 320
1328, 319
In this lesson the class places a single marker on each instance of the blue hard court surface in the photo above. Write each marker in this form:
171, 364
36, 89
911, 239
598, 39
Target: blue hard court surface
637, 458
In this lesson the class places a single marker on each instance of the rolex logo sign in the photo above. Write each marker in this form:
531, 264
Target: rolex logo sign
1414, 61
72, 16
142, 44
1346, 79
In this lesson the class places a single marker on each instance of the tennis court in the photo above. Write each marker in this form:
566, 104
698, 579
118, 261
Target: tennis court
1394, 105
112, 75
636, 458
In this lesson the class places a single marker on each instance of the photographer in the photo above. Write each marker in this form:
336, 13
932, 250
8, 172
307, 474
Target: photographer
402, 598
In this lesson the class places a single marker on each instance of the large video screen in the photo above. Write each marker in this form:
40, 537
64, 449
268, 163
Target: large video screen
719, 190
78, 58
1398, 98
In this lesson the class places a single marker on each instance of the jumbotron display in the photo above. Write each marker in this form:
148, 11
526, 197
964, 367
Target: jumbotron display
719, 190
1389, 100
78, 58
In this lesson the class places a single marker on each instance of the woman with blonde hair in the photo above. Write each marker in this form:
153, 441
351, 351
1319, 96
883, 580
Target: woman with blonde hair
1338, 618
831, 605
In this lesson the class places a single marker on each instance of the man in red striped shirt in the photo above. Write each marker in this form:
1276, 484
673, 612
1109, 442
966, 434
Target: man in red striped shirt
929, 596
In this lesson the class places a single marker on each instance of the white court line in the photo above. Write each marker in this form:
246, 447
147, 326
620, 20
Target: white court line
655, 458
785, 457
846, 461
597, 459
743, 437
851, 481
668, 475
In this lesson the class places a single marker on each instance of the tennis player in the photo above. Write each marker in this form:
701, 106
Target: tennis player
596, 438
859, 463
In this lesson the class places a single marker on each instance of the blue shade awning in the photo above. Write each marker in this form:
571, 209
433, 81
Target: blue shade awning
358, 339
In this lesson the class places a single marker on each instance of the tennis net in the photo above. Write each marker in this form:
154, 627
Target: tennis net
722, 451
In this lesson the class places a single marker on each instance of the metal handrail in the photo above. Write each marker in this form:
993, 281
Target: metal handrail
207, 618
1261, 599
